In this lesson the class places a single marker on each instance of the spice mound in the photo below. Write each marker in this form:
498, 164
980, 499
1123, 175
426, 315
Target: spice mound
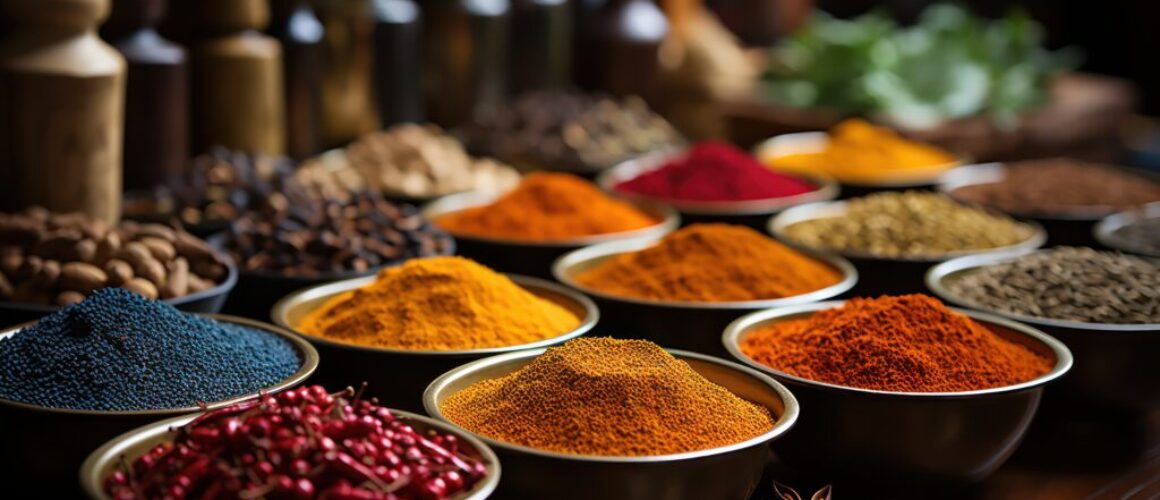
418, 161
711, 263
1068, 283
1062, 186
858, 152
441, 303
548, 207
117, 351
573, 131
910, 224
607, 397
908, 343
54, 258
715, 171
302, 443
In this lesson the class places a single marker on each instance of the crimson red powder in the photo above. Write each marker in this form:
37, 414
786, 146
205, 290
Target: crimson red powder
715, 171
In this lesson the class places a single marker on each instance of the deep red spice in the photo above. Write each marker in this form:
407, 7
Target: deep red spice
715, 171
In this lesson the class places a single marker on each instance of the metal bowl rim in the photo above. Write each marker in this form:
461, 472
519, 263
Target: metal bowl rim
780, 426
562, 267
281, 310
309, 363
1105, 230
732, 336
95, 459
937, 274
791, 137
825, 189
948, 183
776, 227
668, 217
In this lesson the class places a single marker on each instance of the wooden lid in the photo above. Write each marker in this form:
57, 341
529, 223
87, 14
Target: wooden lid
80, 14
234, 15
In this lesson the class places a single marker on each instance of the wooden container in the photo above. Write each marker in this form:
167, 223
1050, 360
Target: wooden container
157, 94
304, 66
62, 94
238, 99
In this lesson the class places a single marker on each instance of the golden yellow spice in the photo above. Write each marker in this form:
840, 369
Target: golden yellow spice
607, 397
859, 152
711, 263
441, 304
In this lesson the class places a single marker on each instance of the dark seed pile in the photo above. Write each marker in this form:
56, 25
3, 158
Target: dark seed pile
1067, 283
117, 351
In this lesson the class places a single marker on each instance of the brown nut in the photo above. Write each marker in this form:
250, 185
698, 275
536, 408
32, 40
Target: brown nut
9, 263
69, 297
108, 246
119, 271
142, 287
157, 230
178, 284
6, 289
150, 269
134, 253
82, 277
85, 251
29, 268
193, 248
161, 250
209, 270
198, 284
47, 276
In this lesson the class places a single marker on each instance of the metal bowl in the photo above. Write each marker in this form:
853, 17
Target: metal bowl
815, 142
45, 445
1116, 363
752, 213
882, 275
1105, 231
1070, 227
398, 376
685, 325
534, 258
101, 463
207, 301
727, 472
884, 436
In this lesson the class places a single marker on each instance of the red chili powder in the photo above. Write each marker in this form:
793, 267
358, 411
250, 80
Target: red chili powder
715, 171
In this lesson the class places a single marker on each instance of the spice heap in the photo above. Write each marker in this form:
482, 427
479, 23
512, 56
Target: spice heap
312, 236
858, 152
1061, 186
117, 351
548, 207
908, 343
909, 224
421, 161
571, 131
218, 187
50, 258
1141, 236
441, 303
302, 443
1068, 283
711, 263
606, 397
715, 171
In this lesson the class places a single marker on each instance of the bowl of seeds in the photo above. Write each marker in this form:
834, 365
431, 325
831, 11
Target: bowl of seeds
116, 361
1135, 231
680, 289
1065, 196
604, 418
1104, 305
893, 237
900, 390
547, 215
411, 323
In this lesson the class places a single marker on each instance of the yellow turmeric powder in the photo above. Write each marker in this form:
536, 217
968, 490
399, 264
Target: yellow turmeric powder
859, 152
711, 263
440, 304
